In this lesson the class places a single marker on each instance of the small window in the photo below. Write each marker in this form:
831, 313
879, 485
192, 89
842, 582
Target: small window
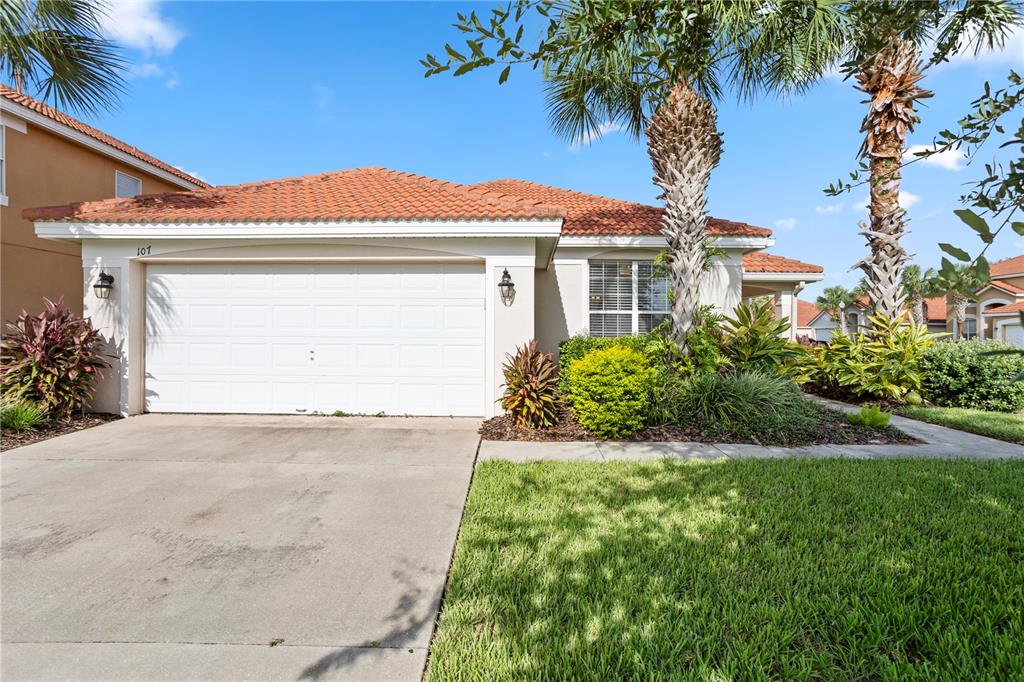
626, 297
126, 186
970, 328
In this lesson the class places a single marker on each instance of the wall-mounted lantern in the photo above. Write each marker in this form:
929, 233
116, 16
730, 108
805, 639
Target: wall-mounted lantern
507, 288
104, 283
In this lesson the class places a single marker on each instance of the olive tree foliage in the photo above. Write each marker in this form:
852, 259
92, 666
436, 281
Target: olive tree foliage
654, 67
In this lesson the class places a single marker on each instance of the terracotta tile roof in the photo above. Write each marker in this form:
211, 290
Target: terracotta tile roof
1007, 266
935, 308
767, 262
1017, 307
356, 194
1005, 286
49, 112
590, 214
805, 312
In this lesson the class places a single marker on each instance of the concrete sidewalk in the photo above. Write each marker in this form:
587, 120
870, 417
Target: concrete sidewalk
939, 442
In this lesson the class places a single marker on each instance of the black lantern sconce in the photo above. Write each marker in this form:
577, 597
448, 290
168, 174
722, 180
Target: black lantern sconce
104, 283
507, 288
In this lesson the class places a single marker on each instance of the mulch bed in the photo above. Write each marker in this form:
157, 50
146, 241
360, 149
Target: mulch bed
52, 428
833, 429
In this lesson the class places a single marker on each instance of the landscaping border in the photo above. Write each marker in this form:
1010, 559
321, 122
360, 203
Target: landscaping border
937, 442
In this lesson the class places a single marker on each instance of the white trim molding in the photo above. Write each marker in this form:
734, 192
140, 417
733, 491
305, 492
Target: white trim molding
58, 128
298, 230
797, 277
660, 243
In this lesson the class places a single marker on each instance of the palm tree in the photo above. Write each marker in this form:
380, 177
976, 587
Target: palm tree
655, 67
834, 300
56, 48
918, 286
886, 38
960, 296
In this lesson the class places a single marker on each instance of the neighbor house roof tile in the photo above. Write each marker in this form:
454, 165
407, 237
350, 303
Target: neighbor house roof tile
805, 312
935, 308
42, 109
1006, 286
767, 262
590, 214
1005, 309
359, 194
1007, 266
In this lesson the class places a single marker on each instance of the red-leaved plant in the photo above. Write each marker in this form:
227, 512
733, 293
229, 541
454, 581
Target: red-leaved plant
531, 387
51, 359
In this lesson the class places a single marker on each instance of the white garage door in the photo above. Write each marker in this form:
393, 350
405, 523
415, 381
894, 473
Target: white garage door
1015, 335
302, 338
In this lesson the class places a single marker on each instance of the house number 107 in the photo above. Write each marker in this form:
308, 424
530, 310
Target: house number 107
144, 250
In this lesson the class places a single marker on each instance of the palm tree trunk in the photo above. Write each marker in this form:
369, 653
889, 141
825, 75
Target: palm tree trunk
959, 314
917, 309
684, 145
890, 80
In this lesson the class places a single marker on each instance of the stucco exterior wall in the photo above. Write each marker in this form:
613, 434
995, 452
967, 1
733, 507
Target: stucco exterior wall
559, 304
44, 169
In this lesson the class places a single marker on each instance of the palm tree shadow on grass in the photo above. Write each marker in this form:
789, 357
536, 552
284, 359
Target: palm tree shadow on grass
741, 569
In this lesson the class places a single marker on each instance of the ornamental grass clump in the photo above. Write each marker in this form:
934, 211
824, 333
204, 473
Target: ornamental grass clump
51, 359
531, 387
19, 415
610, 391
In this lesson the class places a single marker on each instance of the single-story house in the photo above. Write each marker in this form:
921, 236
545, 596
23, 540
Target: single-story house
372, 290
995, 313
821, 326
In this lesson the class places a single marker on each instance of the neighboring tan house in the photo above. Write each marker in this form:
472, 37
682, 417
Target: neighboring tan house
999, 303
372, 290
47, 157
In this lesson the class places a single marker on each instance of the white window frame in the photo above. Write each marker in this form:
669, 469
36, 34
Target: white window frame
634, 312
117, 175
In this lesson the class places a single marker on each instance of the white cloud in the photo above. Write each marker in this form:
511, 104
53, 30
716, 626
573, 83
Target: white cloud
831, 208
589, 138
949, 159
192, 173
139, 24
785, 223
151, 70
1012, 52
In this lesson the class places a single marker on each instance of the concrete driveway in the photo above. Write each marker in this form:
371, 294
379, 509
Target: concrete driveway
181, 546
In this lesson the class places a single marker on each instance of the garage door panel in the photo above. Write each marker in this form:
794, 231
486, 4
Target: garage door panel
403, 339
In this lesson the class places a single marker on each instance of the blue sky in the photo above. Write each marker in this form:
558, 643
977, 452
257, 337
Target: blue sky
237, 92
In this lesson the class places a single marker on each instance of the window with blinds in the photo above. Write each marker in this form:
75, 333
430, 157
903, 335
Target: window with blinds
126, 186
626, 297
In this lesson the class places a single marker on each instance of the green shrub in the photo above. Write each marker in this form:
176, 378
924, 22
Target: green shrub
19, 415
610, 391
531, 391
870, 415
51, 359
710, 397
652, 345
884, 362
754, 339
967, 374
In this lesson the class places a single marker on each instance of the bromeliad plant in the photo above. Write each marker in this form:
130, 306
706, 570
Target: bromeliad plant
51, 359
754, 340
531, 387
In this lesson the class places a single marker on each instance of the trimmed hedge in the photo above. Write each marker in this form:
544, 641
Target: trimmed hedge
652, 346
963, 374
610, 391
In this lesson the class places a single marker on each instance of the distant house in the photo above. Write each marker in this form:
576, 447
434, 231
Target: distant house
48, 158
995, 314
820, 326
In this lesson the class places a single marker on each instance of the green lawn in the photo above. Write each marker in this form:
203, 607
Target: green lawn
1002, 425
798, 569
